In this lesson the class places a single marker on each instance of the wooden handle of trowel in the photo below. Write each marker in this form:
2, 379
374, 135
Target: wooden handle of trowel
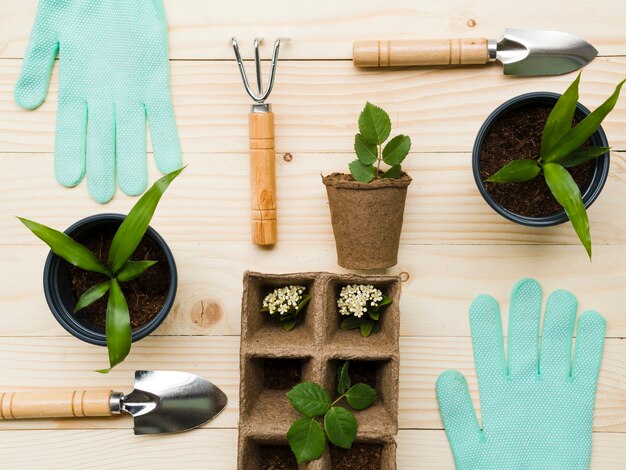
419, 52
55, 404
263, 178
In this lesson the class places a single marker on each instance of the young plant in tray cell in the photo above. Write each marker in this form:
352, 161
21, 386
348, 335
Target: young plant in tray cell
361, 305
306, 436
118, 269
563, 147
371, 150
284, 304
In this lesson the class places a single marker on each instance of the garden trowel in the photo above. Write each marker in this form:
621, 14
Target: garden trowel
162, 402
521, 51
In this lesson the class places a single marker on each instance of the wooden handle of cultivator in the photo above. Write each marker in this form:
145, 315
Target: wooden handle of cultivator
263, 178
419, 52
55, 404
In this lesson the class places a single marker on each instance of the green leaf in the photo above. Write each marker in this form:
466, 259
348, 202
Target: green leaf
134, 226
118, 330
343, 378
340, 426
366, 327
386, 301
365, 151
374, 124
351, 323
305, 300
581, 155
567, 193
374, 315
577, 136
396, 150
309, 399
92, 295
362, 173
289, 324
376, 328
560, 119
306, 439
393, 172
361, 396
133, 269
516, 172
66, 248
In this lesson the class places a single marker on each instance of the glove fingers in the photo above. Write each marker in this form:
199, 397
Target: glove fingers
71, 133
589, 347
163, 133
556, 337
101, 150
524, 317
130, 121
486, 326
457, 413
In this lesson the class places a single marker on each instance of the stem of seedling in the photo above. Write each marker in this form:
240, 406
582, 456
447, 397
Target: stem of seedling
337, 400
380, 159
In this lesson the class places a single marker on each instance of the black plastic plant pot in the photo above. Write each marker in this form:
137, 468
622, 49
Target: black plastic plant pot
589, 194
61, 298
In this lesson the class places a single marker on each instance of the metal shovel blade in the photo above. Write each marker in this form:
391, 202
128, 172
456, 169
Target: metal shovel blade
536, 52
169, 401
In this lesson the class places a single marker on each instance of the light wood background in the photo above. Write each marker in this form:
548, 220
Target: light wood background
453, 246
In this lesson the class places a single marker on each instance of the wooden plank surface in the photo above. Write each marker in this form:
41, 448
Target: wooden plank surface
453, 246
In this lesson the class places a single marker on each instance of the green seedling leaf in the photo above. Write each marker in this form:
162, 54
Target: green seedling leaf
386, 301
133, 269
305, 300
376, 328
66, 248
92, 295
577, 136
567, 193
118, 330
366, 327
289, 325
393, 172
560, 119
340, 426
374, 315
134, 226
306, 439
309, 399
361, 396
516, 172
396, 150
366, 151
362, 173
351, 323
374, 124
343, 378
286, 317
581, 155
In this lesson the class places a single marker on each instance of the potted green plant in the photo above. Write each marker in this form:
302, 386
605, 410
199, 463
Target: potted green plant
284, 304
541, 159
110, 279
367, 205
360, 307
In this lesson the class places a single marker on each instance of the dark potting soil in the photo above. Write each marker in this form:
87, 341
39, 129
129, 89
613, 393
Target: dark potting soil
362, 372
145, 295
359, 457
517, 135
277, 458
282, 374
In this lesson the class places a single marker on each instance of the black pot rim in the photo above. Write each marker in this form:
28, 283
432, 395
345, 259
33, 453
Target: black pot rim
591, 193
67, 319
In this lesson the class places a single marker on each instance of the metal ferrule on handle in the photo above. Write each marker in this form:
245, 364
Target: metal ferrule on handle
403, 53
55, 404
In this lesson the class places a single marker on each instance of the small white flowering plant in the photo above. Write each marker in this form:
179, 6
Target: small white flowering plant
361, 306
284, 304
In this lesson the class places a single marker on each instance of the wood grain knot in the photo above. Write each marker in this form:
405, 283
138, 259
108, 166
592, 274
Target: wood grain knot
471, 23
404, 276
207, 313
287, 157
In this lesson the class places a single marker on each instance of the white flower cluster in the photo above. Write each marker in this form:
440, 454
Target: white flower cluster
355, 299
283, 299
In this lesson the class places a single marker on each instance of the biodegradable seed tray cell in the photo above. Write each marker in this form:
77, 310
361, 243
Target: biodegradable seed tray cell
274, 360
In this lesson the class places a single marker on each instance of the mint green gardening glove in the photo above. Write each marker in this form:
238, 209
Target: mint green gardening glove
537, 409
113, 73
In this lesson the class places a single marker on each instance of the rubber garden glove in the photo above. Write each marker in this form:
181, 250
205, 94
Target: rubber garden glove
113, 73
537, 408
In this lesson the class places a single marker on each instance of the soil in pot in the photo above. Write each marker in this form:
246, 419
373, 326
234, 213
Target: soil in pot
517, 135
359, 457
364, 372
276, 457
145, 295
282, 374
